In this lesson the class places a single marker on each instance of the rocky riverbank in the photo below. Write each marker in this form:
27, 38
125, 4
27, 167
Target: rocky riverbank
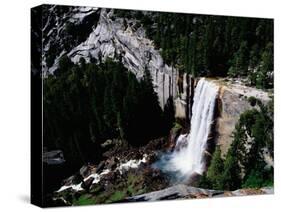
122, 174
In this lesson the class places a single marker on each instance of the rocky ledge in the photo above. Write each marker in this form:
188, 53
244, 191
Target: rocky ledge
182, 191
232, 102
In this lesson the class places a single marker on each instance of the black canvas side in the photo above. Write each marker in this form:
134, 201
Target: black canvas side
36, 107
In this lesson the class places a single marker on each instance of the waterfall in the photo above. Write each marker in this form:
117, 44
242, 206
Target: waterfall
188, 156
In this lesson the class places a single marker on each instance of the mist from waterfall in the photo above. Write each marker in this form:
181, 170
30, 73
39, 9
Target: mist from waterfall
187, 158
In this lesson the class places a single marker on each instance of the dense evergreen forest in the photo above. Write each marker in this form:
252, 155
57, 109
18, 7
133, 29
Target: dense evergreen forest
86, 104
204, 45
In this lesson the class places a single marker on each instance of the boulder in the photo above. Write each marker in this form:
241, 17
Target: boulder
54, 157
107, 144
73, 180
85, 171
100, 167
249, 191
174, 134
111, 176
88, 182
112, 163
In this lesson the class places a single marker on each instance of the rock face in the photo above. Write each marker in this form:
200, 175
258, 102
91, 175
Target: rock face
232, 102
181, 102
54, 157
112, 37
179, 191
59, 31
184, 101
232, 105
182, 191
249, 191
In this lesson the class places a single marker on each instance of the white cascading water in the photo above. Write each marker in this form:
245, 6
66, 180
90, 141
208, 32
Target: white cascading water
187, 157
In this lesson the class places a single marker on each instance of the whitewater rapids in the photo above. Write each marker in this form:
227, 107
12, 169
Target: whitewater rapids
188, 155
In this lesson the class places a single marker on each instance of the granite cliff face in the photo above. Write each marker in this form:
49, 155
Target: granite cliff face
232, 102
60, 27
109, 37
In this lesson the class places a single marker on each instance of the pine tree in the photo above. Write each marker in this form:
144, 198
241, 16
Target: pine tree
109, 113
265, 71
192, 55
231, 177
208, 43
64, 65
240, 61
214, 173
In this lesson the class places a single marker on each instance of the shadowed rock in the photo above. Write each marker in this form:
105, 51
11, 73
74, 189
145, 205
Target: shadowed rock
53, 157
